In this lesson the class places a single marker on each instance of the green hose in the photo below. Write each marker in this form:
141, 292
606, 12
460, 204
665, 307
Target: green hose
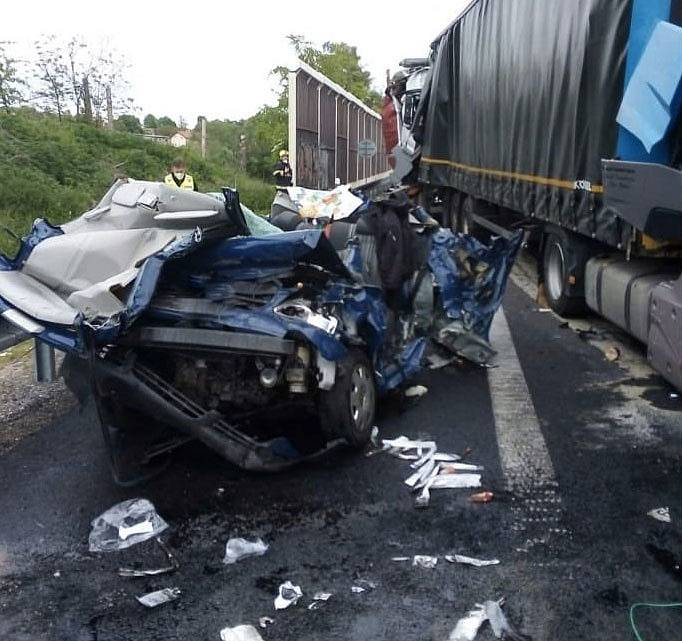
638, 636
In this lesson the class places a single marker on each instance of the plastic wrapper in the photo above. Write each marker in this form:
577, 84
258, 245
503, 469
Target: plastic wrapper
238, 549
240, 633
159, 597
288, 595
124, 525
502, 629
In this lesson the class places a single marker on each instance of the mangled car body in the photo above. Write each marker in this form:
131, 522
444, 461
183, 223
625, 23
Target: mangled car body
191, 318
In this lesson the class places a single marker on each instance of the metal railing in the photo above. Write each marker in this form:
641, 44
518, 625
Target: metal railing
44, 366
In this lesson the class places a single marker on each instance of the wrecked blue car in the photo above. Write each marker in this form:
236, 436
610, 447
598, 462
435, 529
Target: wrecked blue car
188, 317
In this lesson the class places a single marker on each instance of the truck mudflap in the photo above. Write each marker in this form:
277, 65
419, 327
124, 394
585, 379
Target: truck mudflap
134, 385
665, 331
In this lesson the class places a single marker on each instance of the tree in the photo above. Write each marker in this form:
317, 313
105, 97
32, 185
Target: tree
166, 125
150, 121
266, 133
10, 84
52, 76
128, 123
338, 61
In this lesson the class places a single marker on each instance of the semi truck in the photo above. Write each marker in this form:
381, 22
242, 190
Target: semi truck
563, 117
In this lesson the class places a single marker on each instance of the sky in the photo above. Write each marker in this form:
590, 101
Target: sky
196, 58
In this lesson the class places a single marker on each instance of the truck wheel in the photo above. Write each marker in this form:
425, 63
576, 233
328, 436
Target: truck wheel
347, 410
563, 263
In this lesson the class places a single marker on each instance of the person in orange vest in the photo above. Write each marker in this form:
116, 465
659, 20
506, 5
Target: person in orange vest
178, 176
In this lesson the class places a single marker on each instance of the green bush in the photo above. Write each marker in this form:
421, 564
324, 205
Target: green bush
59, 170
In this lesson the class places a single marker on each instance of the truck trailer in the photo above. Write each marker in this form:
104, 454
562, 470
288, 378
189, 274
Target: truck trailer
563, 117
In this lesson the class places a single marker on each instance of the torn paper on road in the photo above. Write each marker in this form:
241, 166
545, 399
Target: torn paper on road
238, 549
288, 595
159, 597
124, 525
469, 560
240, 633
423, 561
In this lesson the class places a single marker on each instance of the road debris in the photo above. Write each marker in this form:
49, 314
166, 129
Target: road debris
159, 597
374, 438
502, 629
469, 560
264, 622
434, 470
362, 585
467, 627
436, 361
124, 525
171, 567
660, 514
482, 497
400, 558
612, 353
319, 599
238, 549
240, 633
423, 561
544, 310
288, 595
416, 391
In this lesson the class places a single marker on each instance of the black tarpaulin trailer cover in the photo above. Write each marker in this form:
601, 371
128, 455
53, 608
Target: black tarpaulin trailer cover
522, 108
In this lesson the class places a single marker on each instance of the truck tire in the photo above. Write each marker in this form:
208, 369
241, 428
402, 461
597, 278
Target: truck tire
563, 266
347, 410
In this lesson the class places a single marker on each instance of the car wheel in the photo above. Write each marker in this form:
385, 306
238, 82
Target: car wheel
347, 410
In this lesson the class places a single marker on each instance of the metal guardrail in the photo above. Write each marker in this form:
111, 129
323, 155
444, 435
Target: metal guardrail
44, 366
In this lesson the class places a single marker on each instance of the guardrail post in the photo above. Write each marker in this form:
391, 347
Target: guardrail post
43, 362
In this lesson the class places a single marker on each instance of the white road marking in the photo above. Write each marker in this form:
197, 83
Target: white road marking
524, 457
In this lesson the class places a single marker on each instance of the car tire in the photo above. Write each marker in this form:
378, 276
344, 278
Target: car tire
348, 409
563, 266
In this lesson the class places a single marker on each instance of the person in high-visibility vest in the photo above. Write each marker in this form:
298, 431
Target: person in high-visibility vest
283, 171
179, 177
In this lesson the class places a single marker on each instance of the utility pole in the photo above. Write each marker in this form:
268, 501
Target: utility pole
242, 152
110, 109
203, 136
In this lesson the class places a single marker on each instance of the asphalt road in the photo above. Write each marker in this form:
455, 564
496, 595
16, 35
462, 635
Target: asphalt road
576, 448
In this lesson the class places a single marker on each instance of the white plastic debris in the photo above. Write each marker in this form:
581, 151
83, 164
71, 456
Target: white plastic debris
416, 391
238, 549
661, 514
502, 629
467, 627
159, 597
288, 595
400, 558
319, 599
240, 633
423, 561
469, 560
357, 589
264, 622
124, 525
455, 481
